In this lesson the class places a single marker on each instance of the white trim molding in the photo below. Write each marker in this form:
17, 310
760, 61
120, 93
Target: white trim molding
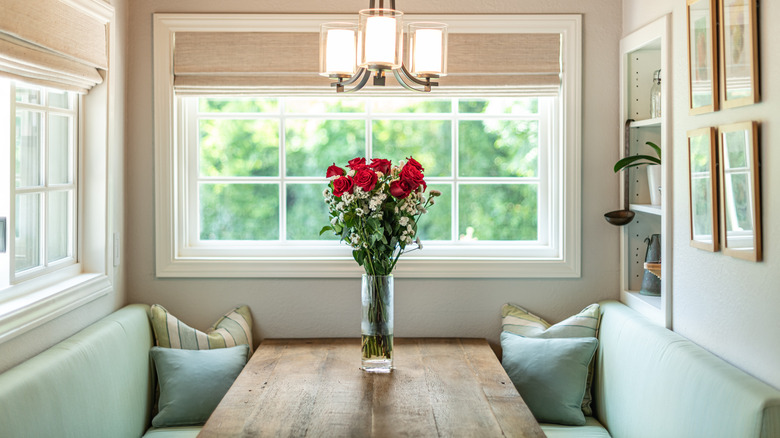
174, 259
31, 303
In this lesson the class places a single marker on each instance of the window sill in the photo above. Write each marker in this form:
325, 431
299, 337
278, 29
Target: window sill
22, 310
347, 268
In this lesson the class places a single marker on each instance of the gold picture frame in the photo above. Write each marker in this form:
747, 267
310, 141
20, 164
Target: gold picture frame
740, 190
739, 52
702, 56
703, 188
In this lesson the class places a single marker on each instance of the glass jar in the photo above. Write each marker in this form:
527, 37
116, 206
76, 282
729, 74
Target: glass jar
655, 95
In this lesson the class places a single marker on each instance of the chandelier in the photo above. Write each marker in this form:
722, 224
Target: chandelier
350, 53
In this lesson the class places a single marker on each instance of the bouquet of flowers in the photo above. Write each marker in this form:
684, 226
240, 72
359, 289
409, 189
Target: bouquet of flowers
375, 208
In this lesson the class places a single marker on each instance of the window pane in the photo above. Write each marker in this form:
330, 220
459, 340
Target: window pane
428, 141
27, 248
307, 212
498, 211
230, 147
239, 211
325, 105
28, 94
390, 105
498, 148
59, 99
437, 223
739, 215
238, 105
313, 145
28, 148
528, 105
59, 149
58, 226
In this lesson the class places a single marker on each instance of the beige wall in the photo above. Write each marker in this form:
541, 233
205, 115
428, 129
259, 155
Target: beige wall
331, 307
32, 342
729, 306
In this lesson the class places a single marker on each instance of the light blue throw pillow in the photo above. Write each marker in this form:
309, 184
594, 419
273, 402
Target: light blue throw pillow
192, 382
550, 374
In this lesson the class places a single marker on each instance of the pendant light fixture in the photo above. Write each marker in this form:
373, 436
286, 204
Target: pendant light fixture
350, 53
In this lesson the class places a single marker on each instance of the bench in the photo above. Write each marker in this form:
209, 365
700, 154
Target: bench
98, 383
652, 382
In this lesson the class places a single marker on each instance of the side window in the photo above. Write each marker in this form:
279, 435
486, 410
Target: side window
41, 202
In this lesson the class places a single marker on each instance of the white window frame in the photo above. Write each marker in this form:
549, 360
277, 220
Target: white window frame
29, 302
175, 257
44, 187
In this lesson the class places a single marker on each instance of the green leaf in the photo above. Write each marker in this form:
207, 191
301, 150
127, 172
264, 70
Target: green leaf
656, 148
358, 256
325, 228
634, 161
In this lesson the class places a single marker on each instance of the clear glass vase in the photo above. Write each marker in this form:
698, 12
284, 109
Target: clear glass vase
377, 323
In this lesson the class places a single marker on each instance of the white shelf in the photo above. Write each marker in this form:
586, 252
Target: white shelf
643, 52
648, 306
647, 123
646, 208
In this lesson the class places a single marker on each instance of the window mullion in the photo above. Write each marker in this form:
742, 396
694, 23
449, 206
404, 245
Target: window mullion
455, 169
282, 170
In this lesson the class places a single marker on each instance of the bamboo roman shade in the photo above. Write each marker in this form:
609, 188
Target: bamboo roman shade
52, 43
256, 61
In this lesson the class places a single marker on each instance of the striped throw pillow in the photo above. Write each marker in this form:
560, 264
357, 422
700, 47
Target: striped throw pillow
233, 328
585, 324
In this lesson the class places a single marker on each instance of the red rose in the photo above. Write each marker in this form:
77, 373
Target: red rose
400, 188
334, 170
366, 179
412, 162
357, 163
380, 165
341, 185
413, 176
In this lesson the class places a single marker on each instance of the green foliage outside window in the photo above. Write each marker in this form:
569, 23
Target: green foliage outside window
241, 189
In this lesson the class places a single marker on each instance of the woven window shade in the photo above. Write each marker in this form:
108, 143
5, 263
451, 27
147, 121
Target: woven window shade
245, 62
52, 43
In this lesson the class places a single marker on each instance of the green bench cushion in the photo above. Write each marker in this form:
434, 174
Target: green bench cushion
652, 382
591, 429
173, 432
97, 383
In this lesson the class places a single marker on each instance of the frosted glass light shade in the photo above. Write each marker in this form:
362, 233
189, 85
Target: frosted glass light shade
380, 34
338, 49
428, 49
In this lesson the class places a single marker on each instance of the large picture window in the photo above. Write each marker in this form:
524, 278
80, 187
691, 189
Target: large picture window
260, 165
241, 168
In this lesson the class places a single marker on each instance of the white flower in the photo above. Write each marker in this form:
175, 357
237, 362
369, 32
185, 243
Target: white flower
341, 217
403, 221
340, 206
334, 220
359, 212
355, 239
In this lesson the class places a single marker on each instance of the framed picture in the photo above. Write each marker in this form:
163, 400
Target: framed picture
702, 166
702, 64
739, 52
740, 190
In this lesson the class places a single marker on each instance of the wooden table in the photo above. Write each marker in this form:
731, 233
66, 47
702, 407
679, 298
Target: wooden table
315, 387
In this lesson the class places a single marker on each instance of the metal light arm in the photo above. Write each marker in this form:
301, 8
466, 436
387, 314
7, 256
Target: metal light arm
402, 75
361, 77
